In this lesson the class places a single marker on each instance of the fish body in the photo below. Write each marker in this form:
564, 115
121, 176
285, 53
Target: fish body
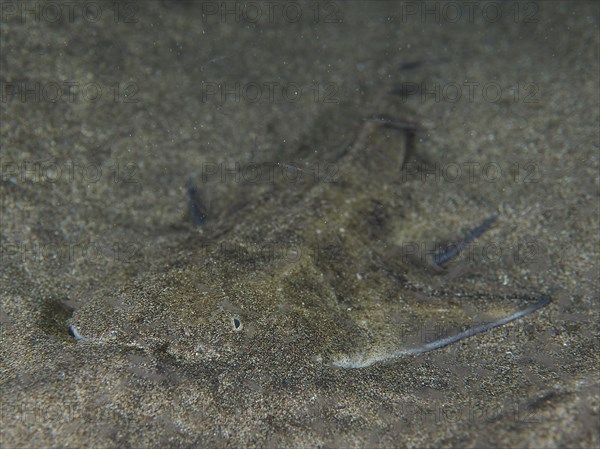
305, 272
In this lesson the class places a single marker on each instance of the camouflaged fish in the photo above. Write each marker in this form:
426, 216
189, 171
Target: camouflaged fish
304, 272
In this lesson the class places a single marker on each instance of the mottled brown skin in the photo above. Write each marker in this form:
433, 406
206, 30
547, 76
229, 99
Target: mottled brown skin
323, 276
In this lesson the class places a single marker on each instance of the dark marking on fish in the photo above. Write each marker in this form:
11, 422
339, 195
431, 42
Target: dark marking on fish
199, 213
445, 256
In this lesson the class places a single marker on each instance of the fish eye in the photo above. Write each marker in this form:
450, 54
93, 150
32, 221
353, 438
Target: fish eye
237, 324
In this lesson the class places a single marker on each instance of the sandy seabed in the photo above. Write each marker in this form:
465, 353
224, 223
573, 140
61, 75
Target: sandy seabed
314, 245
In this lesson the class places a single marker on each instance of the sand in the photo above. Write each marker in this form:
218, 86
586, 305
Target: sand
107, 110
